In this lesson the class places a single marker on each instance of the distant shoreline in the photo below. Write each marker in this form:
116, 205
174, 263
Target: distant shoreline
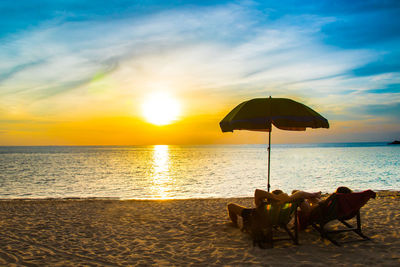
382, 192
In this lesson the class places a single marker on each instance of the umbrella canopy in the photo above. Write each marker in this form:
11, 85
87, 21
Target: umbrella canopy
260, 114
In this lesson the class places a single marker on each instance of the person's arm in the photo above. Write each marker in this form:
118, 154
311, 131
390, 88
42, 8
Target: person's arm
305, 195
260, 195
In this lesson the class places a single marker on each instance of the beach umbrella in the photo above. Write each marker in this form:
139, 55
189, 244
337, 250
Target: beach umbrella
259, 114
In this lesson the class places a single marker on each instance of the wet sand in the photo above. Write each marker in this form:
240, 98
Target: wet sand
177, 233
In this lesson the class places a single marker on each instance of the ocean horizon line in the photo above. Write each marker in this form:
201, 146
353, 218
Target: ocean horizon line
199, 145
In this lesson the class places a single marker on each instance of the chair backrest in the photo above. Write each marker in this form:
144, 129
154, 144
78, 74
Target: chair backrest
278, 213
267, 215
350, 204
343, 206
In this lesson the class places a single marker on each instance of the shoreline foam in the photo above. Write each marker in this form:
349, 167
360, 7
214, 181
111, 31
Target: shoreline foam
381, 192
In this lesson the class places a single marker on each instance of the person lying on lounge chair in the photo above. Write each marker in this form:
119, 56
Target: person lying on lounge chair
307, 206
343, 205
235, 210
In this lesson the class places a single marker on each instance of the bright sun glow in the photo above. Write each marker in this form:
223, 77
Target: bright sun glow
161, 108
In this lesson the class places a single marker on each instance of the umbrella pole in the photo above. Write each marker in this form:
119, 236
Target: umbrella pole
269, 155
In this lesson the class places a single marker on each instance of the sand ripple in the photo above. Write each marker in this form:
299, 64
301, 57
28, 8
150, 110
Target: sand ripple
175, 233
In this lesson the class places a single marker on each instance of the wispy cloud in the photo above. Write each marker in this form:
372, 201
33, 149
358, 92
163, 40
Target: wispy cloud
325, 56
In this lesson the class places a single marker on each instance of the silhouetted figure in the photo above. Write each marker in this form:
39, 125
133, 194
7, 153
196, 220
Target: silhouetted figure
235, 210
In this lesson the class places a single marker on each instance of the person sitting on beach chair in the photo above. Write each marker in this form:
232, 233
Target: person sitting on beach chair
307, 207
342, 205
277, 196
272, 210
311, 201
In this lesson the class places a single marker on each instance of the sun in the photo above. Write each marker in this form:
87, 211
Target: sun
160, 108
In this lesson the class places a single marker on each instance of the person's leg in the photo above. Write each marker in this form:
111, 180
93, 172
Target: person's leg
235, 210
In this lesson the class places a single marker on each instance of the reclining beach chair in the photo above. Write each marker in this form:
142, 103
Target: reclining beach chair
263, 220
341, 207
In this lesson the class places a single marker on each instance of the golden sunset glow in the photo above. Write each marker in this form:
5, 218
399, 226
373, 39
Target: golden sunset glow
160, 173
160, 108
138, 80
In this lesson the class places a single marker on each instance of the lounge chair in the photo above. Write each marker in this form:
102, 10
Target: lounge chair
341, 207
269, 216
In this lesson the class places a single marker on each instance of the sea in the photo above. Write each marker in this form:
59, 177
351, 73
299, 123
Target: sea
185, 172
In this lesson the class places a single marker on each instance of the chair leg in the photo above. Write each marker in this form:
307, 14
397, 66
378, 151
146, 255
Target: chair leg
293, 237
296, 226
324, 234
347, 224
358, 230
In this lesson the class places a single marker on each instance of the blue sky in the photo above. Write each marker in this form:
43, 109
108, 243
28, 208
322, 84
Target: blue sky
340, 57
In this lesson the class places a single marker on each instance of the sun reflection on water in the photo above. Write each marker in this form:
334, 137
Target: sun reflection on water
162, 181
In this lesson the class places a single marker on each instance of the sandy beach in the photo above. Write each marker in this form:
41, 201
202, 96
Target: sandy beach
176, 233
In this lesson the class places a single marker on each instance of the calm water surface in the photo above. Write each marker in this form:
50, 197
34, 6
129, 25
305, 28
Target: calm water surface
153, 172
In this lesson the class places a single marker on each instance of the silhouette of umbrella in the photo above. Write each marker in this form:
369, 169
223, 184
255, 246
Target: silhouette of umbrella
259, 114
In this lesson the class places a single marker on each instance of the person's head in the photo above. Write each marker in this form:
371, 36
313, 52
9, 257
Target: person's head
343, 190
277, 192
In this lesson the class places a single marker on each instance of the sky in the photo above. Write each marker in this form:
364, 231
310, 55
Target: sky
78, 72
